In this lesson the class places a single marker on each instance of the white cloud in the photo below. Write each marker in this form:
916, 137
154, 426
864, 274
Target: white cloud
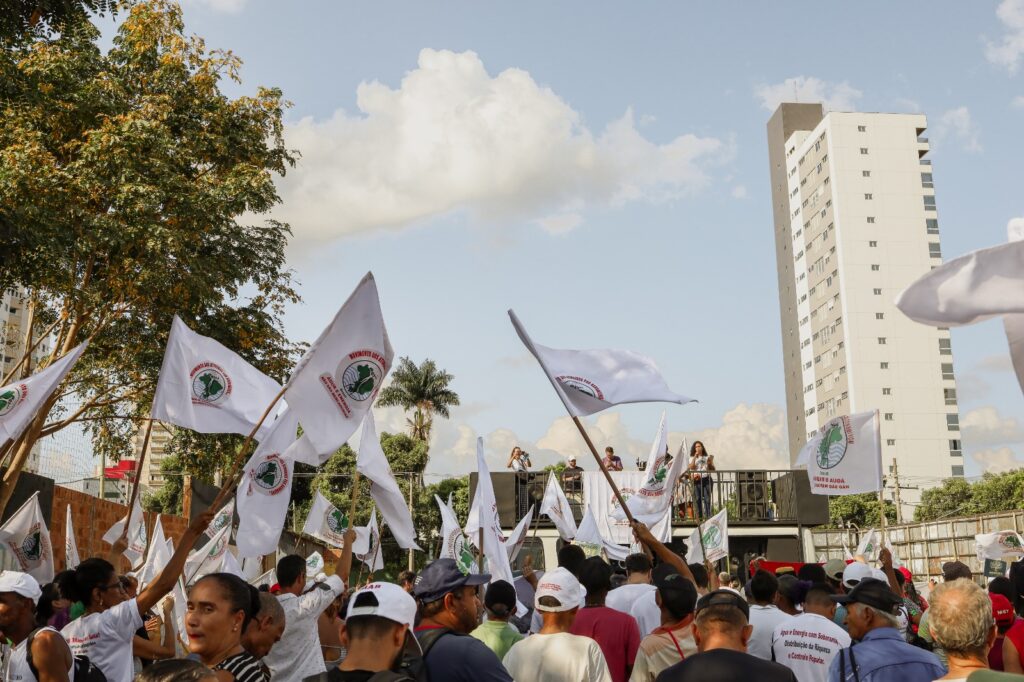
739, 192
451, 137
957, 123
997, 461
1015, 229
835, 96
750, 437
1017, 102
985, 426
1007, 51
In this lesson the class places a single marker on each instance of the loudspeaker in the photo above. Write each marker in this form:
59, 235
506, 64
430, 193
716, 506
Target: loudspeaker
28, 485
506, 494
752, 495
794, 500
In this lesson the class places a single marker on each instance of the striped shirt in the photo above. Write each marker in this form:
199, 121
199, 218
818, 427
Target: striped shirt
244, 667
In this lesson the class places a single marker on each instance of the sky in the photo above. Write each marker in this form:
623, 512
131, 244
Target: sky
602, 169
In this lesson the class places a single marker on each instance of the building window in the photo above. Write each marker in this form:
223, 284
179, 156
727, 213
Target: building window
865, 174
958, 470
926, 180
875, 267
869, 197
934, 250
879, 316
950, 395
888, 416
878, 292
933, 225
862, 129
881, 340
953, 422
954, 448
872, 244
883, 365
886, 391
890, 441
944, 347
863, 150
947, 370
871, 219
929, 202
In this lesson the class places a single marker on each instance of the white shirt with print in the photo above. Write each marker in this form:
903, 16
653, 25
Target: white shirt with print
106, 638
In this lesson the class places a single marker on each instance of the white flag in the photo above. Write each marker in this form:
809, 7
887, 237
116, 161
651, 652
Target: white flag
847, 554
157, 557
892, 552
373, 557
328, 523
590, 540
557, 508
868, 546
26, 536
999, 544
334, 384
650, 502
252, 566
715, 532
231, 565
372, 464
268, 578
71, 559
209, 558
314, 565
20, 401
484, 514
517, 539
845, 456
208, 388
265, 490
222, 518
589, 381
453, 540
136, 533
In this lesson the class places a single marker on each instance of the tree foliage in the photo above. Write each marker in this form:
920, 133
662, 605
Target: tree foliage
28, 19
861, 509
958, 497
146, 168
422, 389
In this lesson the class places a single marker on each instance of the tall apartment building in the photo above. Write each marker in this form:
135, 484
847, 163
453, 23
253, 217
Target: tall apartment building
152, 477
855, 222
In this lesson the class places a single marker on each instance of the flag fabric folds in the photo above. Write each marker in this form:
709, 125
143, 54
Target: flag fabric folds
1002, 543
265, 490
334, 384
157, 557
328, 523
453, 540
268, 578
556, 507
715, 532
588, 381
71, 558
231, 565
484, 514
654, 497
517, 539
868, 546
21, 400
314, 565
209, 558
26, 536
136, 533
590, 540
845, 456
207, 387
372, 557
222, 518
371, 463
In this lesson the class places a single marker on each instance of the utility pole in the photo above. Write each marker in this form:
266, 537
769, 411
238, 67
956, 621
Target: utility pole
896, 493
412, 479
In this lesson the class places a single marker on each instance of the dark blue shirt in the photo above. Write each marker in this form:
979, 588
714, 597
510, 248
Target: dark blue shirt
884, 656
461, 658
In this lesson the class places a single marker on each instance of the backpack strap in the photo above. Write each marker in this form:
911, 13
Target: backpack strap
430, 637
28, 653
853, 664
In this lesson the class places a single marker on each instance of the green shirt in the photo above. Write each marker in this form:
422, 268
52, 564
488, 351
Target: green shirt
498, 636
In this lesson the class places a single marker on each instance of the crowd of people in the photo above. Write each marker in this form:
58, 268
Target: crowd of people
663, 620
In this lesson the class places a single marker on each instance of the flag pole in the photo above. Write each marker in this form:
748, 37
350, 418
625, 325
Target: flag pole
232, 480
138, 476
600, 464
481, 561
881, 487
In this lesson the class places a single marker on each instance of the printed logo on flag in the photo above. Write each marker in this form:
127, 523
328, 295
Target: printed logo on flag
220, 521
581, 384
712, 537
613, 503
11, 398
31, 550
658, 474
589, 548
357, 378
211, 385
836, 437
218, 549
1010, 541
337, 522
271, 476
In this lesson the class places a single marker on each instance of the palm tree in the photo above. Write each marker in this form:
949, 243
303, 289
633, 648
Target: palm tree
423, 389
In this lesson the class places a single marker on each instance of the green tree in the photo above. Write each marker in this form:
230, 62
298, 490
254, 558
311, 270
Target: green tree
423, 389
952, 498
168, 499
25, 19
861, 509
147, 169
957, 497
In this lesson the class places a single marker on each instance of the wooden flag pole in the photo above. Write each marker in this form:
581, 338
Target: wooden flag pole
355, 496
138, 477
481, 562
600, 464
881, 487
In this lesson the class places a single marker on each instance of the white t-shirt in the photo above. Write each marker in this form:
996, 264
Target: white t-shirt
106, 638
17, 668
806, 644
297, 655
560, 657
764, 619
623, 597
646, 612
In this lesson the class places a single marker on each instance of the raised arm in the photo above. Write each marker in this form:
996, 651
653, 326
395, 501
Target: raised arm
343, 567
164, 582
885, 556
645, 537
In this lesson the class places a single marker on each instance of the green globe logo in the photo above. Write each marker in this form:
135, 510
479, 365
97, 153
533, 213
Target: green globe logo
11, 397
361, 379
337, 521
832, 448
712, 537
1011, 541
211, 385
32, 547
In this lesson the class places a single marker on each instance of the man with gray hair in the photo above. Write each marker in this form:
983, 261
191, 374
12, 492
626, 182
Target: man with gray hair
265, 628
962, 623
881, 654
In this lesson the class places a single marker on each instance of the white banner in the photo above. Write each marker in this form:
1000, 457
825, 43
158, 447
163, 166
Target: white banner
26, 536
453, 540
653, 497
328, 523
20, 401
514, 543
373, 464
868, 546
136, 533
556, 507
598, 495
265, 489
373, 556
845, 456
1002, 543
716, 540
593, 542
71, 559
157, 557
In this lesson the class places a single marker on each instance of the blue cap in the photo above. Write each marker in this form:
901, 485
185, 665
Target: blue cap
443, 576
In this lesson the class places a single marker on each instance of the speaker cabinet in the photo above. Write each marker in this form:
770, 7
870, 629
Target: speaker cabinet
752, 495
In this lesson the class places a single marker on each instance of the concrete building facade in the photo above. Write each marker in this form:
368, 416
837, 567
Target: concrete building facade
856, 221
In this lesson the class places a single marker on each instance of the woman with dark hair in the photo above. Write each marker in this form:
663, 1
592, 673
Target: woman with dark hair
701, 463
177, 670
106, 631
220, 607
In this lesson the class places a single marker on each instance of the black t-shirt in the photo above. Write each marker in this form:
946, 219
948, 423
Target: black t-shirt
726, 665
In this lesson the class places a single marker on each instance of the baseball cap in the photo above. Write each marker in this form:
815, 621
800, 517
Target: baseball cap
385, 600
500, 593
678, 594
834, 569
20, 583
854, 573
951, 570
1002, 610
563, 586
870, 592
443, 576
723, 598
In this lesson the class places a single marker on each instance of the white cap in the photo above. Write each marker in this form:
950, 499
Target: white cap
20, 583
563, 586
393, 603
854, 573
879, 574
